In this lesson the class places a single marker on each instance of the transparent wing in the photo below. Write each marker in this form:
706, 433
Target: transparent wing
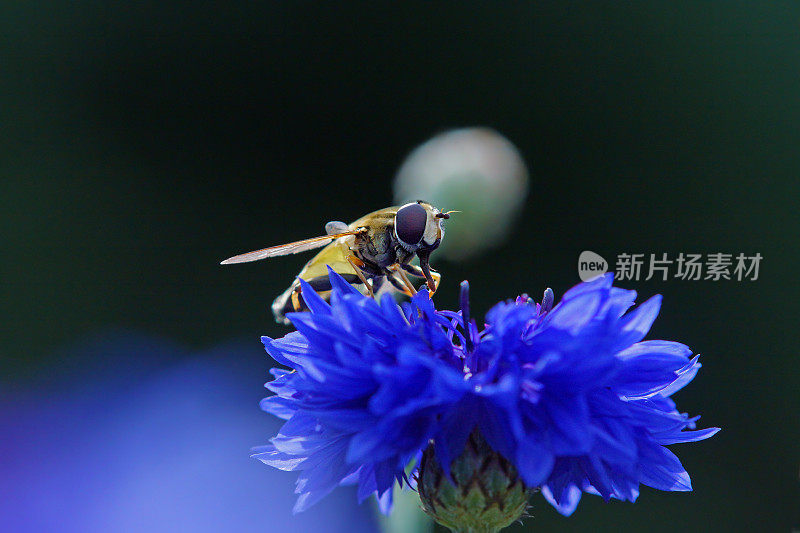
287, 249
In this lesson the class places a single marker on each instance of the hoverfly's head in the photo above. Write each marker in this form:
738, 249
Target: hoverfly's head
418, 226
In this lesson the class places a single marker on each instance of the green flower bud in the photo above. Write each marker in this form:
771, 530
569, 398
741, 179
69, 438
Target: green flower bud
488, 494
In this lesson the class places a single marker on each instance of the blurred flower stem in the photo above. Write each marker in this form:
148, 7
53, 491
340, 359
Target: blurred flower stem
407, 515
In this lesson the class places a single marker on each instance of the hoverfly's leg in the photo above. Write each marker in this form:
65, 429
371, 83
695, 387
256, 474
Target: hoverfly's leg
425, 265
357, 263
398, 283
436, 279
414, 270
296, 299
407, 282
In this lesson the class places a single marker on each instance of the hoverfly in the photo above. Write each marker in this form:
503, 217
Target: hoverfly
374, 250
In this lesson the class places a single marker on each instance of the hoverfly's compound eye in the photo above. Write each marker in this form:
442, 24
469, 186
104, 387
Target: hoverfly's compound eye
410, 223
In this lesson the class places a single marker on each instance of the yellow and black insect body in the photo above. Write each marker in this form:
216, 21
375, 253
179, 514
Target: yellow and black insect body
372, 253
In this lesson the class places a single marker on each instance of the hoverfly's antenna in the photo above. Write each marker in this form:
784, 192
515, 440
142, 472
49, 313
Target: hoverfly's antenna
446, 214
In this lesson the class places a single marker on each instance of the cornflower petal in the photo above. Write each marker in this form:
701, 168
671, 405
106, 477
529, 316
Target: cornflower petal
569, 394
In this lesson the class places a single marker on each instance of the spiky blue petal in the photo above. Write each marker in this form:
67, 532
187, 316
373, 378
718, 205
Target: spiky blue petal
570, 394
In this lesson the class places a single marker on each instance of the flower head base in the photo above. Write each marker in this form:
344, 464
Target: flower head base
569, 395
483, 493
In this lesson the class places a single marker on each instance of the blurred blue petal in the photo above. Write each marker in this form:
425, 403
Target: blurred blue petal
137, 434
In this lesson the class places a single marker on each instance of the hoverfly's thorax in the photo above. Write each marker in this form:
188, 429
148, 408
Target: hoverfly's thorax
379, 248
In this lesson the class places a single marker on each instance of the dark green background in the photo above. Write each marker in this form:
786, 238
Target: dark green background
140, 145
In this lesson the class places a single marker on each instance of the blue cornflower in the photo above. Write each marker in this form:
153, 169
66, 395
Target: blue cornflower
569, 395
